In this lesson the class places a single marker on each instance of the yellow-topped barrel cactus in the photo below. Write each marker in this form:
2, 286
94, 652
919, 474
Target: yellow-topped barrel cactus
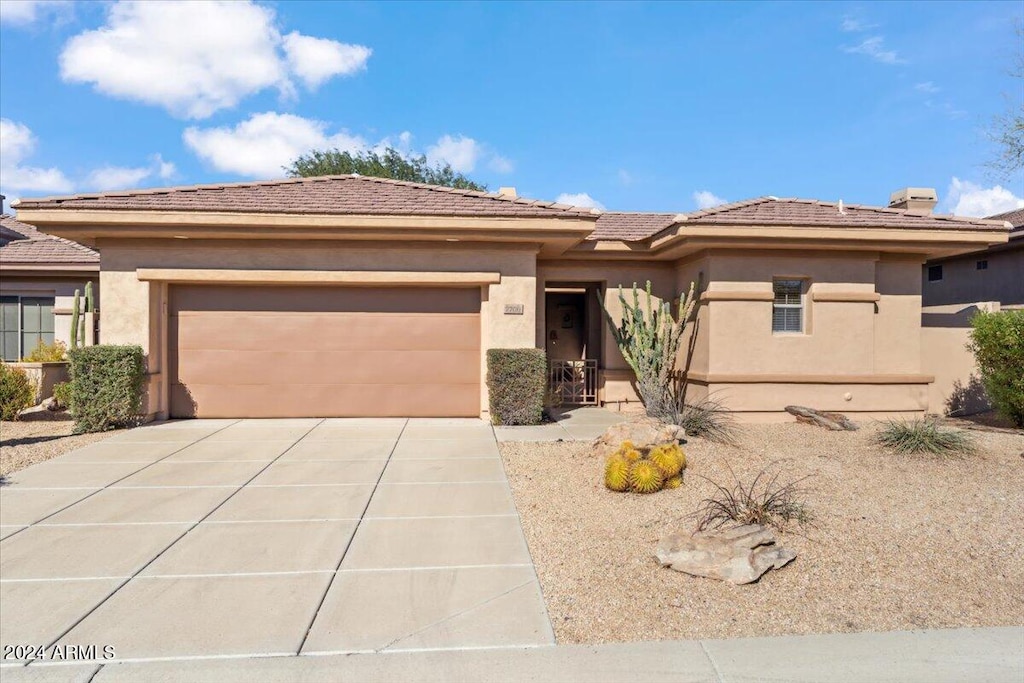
616, 473
674, 482
645, 477
669, 458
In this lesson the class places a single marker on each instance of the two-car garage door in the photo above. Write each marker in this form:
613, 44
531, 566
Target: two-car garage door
241, 351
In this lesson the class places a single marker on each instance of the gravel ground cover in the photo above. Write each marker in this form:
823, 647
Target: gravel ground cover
898, 542
38, 437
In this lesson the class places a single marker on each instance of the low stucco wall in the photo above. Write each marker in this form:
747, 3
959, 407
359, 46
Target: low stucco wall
945, 333
44, 376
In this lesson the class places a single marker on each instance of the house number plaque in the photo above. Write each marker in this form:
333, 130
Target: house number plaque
513, 309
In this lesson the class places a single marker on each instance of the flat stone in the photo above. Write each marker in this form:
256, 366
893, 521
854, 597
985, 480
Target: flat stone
739, 555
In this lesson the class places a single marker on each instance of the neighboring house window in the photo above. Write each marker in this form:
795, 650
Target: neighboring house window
788, 308
934, 273
982, 264
24, 322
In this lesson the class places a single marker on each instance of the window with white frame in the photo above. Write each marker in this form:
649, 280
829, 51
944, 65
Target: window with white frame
24, 322
788, 307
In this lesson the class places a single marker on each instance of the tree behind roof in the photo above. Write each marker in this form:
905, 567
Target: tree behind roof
389, 164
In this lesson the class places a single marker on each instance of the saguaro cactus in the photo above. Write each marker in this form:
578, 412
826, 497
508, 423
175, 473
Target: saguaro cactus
649, 339
75, 315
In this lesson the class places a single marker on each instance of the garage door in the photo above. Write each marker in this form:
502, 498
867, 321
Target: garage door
323, 351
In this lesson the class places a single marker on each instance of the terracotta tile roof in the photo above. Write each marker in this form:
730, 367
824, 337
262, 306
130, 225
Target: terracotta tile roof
343, 194
630, 227
1014, 218
811, 212
23, 245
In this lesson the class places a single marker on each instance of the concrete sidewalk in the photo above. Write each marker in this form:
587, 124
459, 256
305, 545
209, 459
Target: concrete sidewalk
940, 656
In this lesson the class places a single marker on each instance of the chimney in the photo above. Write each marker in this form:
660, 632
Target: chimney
509, 192
916, 199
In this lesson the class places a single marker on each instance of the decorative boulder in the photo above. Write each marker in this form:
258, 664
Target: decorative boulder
740, 555
644, 432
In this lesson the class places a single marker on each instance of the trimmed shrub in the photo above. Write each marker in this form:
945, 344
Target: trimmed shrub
106, 387
997, 340
16, 392
516, 382
62, 395
47, 353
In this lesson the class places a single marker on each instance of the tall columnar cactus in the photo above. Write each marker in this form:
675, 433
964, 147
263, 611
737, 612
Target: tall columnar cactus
649, 339
75, 315
88, 297
88, 308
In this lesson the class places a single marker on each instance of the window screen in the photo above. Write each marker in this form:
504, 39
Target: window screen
982, 265
787, 309
9, 328
36, 323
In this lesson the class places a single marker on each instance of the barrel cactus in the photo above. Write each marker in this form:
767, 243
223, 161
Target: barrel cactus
645, 477
669, 459
616, 473
674, 482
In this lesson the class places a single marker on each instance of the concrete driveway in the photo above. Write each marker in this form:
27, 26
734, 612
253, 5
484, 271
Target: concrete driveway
225, 538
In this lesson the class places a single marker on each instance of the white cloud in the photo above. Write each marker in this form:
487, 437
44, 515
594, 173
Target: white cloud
625, 177
706, 199
195, 58
116, 177
461, 152
262, 145
500, 164
580, 199
874, 48
927, 87
26, 12
854, 25
316, 60
970, 199
164, 169
17, 144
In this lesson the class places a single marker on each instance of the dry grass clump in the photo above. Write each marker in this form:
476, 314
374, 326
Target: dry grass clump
708, 419
924, 436
765, 500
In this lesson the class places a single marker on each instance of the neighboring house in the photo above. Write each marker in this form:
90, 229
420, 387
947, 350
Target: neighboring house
39, 274
993, 274
357, 296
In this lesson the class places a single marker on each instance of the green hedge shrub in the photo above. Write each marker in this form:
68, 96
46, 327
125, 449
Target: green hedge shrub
62, 394
17, 392
106, 386
516, 380
997, 341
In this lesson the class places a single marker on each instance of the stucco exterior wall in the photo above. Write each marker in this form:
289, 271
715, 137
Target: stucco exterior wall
945, 333
135, 310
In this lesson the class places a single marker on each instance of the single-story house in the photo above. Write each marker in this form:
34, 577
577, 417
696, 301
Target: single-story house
359, 296
995, 274
39, 274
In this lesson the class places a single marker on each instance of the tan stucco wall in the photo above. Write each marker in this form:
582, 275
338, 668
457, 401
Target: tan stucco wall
61, 288
944, 336
134, 309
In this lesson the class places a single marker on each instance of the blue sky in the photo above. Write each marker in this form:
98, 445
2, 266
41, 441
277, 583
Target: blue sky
648, 107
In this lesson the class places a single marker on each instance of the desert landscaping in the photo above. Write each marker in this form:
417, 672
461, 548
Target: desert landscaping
896, 542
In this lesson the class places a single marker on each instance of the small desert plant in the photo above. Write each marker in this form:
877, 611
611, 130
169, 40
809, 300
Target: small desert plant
616, 473
765, 500
669, 458
47, 353
997, 340
923, 436
706, 418
516, 384
62, 394
106, 386
17, 392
